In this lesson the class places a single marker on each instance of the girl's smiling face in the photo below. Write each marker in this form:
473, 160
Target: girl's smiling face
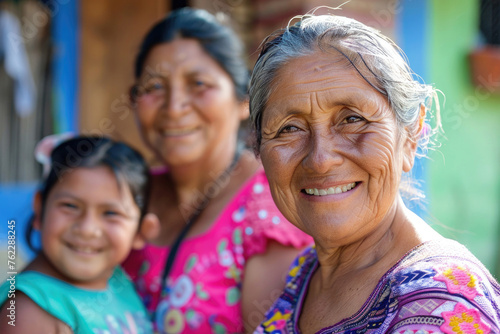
89, 225
332, 149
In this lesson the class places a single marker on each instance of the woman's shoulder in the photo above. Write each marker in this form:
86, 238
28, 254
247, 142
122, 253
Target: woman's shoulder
435, 260
437, 256
442, 279
280, 314
260, 219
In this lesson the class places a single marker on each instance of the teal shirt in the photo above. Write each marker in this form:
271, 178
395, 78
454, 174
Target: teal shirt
115, 310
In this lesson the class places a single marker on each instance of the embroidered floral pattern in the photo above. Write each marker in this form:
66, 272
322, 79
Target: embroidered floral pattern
463, 321
459, 280
298, 264
277, 321
406, 299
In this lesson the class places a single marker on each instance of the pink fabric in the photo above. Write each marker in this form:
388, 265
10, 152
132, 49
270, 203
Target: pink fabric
205, 282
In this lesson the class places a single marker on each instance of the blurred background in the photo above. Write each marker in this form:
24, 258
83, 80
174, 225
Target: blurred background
67, 65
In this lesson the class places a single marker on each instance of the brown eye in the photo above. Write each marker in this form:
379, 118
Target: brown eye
199, 83
111, 213
154, 87
352, 119
151, 87
288, 129
68, 205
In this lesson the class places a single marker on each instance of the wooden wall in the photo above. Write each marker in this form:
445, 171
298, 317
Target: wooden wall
111, 31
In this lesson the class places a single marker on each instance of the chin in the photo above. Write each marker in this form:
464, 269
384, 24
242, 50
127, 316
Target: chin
176, 157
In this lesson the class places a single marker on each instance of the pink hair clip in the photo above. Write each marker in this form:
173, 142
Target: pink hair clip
46, 145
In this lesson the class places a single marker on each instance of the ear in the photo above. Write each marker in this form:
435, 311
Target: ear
150, 229
411, 141
244, 109
37, 208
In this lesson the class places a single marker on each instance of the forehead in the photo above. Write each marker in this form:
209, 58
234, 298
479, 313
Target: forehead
329, 77
93, 182
179, 54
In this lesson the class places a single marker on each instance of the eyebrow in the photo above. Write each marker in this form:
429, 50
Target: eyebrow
154, 76
63, 194
164, 76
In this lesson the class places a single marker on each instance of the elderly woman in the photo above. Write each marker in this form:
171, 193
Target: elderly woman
338, 119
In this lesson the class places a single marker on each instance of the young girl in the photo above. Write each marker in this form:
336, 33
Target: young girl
90, 212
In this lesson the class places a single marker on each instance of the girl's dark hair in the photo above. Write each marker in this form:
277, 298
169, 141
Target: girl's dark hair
219, 41
128, 166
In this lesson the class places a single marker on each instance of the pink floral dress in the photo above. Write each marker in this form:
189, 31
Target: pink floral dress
438, 287
203, 290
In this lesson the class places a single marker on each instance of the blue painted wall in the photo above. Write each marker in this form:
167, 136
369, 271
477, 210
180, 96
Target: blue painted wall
412, 33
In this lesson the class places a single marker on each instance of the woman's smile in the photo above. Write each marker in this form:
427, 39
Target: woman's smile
334, 190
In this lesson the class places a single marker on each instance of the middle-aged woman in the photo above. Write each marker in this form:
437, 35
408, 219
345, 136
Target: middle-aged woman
338, 119
224, 248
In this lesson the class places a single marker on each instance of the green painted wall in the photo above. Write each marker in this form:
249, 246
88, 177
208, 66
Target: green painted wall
464, 173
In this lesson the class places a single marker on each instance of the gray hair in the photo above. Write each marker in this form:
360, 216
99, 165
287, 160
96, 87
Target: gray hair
374, 56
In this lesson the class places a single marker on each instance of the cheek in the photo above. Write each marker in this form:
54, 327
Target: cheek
215, 104
273, 161
379, 150
280, 162
381, 161
121, 236
50, 237
51, 224
146, 112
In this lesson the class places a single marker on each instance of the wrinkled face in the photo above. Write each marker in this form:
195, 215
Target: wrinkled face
187, 109
89, 225
331, 149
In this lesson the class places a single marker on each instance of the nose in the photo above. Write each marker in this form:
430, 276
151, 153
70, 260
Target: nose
323, 155
88, 225
176, 100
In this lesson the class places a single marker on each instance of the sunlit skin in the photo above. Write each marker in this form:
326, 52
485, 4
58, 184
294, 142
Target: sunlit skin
196, 120
88, 227
325, 126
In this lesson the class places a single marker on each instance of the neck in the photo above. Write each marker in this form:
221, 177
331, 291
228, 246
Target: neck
201, 179
42, 265
396, 235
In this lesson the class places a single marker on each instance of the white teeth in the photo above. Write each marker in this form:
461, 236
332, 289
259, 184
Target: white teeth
331, 190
